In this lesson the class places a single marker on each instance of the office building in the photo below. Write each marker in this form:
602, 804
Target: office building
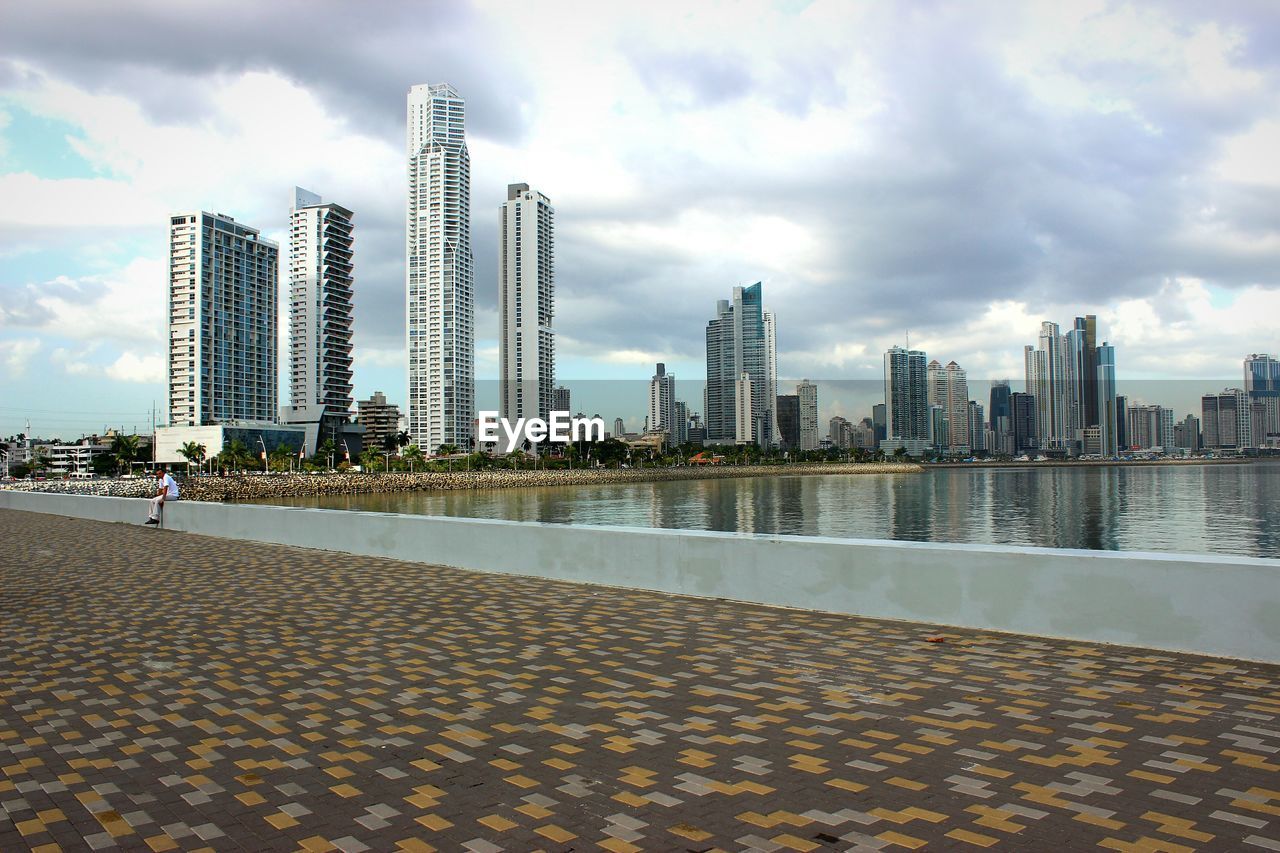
976, 427
1022, 415
440, 294
840, 433
560, 399
1000, 418
380, 419
619, 428
662, 401
948, 388
906, 395
223, 322
744, 414
680, 426
321, 245
878, 423
738, 344
526, 305
1150, 427
1046, 381
1261, 376
1108, 410
1226, 420
807, 393
788, 407
1186, 434
1122, 423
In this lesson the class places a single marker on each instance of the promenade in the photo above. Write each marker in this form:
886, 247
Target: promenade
165, 691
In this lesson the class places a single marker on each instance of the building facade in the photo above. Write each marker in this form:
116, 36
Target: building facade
561, 400
906, 395
1226, 420
807, 394
439, 287
321, 246
788, 407
662, 401
737, 344
526, 305
380, 419
224, 294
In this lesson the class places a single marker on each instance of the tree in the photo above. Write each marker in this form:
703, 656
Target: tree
368, 458
900, 454
125, 449
412, 455
446, 450
403, 439
236, 454
280, 457
103, 464
391, 443
192, 452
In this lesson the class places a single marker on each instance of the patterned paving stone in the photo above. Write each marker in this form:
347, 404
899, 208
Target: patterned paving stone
161, 691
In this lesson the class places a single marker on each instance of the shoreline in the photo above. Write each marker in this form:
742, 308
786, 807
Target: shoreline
1088, 463
257, 487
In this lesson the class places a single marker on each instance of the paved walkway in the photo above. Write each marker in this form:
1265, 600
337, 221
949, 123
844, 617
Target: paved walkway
166, 691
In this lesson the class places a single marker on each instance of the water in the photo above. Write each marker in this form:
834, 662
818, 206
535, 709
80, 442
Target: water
1205, 509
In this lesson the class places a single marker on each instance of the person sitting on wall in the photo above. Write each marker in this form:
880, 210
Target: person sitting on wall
167, 490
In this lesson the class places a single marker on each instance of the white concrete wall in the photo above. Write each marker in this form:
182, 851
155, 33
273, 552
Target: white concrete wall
1226, 606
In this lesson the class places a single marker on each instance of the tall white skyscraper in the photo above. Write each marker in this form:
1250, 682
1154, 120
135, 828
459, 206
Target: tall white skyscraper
744, 417
808, 394
662, 402
906, 403
440, 296
737, 342
771, 374
526, 304
320, 282
948, 387
224, 293
1046, 375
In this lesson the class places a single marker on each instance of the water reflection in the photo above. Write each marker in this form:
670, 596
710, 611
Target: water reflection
1201, 509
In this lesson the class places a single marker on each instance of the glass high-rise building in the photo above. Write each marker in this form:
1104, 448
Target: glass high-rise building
440, 296
320, 314
906, 395
789, 421
1107, 406
224, 295
738, 344
526, 305
807, 392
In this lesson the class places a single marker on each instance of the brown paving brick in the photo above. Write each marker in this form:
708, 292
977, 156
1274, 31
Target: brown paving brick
267, 697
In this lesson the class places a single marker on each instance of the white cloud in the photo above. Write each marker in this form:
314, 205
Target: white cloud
132, 367
126, 305
16, 355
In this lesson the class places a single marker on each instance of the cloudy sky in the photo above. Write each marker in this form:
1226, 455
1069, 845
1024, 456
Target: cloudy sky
960, 171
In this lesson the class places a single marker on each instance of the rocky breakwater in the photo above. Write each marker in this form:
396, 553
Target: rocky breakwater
259, 487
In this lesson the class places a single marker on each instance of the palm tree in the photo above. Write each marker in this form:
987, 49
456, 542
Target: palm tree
192, 452
368, 458
236, 453
403, 439
124, 448
413, 454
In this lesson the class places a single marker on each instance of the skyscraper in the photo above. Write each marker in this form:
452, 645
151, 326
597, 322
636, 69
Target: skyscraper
1227, 420
526, 304
320, 318
744, 411
662, 402
561, 400
737, 344
1000, 417
1261, 376
878, 423
808, 394
679, 431
1046, 377
440, 296
789, 421
1108, 411
906, 395
948, 387
224, 293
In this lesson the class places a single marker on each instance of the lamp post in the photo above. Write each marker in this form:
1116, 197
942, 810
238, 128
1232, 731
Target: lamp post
264, 452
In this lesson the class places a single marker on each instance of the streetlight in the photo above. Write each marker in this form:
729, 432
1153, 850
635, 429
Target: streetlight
264, 452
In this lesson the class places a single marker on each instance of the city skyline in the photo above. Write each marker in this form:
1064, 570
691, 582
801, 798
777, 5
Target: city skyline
1184, 280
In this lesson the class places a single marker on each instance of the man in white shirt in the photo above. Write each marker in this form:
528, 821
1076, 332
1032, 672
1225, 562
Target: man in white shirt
167, 491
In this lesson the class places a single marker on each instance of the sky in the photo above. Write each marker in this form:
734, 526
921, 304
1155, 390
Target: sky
953, 171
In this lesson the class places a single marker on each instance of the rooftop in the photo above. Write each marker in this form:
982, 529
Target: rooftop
164, 690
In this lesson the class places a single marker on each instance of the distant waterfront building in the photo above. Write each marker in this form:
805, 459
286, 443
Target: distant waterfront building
788, 406
1046, 380
662, 401
680, 426
440, 291
1022, 414
619, 428
744, 413
906, 395
1226, 419
948, 387
697, 434
878, 423
1122, 423
1186, 434
224, 298
1108, 408
321, 246
1000, 418
1150, 427
380, 419
840, 433
807, 394
526, 305
737, 344
67, 459
560, 399
977, 429
1261, 376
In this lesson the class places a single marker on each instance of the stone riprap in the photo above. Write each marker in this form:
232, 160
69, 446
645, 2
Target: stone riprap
266, 486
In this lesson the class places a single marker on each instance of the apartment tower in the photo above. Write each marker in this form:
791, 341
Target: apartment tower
526, 305
224, 292
440, 297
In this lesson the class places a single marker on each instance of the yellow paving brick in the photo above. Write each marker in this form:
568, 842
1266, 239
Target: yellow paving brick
558, 834
907, 841
972, 837
435, 823
497, 823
